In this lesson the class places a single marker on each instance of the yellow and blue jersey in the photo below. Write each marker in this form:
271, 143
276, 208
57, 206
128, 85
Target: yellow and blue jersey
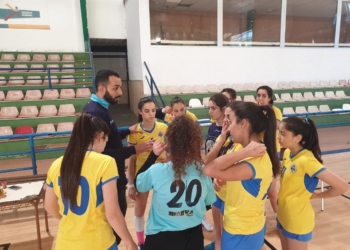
227, 148
188, 113
298, 182
156, 133
85, 226
175, 207
244, 203
278, 115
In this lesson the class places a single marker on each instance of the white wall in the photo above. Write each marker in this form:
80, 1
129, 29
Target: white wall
63, 17
133, 29
106, 19
177, 65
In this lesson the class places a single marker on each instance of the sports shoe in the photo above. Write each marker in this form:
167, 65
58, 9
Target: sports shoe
210, 246
206, 224
140, 246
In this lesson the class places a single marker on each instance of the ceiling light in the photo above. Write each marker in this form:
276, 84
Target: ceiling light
173, 1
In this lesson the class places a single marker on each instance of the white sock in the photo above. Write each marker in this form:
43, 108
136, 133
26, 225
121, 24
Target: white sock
139, 223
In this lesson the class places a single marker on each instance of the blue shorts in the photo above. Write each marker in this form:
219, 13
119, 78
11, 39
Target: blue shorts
243, 242
299, 237
219, 204
114, 247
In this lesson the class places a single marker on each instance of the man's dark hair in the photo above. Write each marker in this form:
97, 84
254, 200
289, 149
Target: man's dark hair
102, 76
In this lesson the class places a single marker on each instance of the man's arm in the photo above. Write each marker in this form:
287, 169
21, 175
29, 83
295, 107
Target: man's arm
124, 152
124, 133
159, 114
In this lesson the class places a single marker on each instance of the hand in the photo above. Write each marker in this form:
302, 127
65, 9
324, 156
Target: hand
255, 149
133, 130
225, 129
144, 147
158, 148
132, 192
218, 184
167, 110
172, 117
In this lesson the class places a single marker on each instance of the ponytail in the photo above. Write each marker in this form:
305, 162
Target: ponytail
307, 129
261, 119
84, 131
270, 138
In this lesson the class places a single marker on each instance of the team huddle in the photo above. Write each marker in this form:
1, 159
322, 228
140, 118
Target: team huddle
234, 179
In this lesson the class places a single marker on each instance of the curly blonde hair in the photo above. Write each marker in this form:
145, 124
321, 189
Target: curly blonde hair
185, 141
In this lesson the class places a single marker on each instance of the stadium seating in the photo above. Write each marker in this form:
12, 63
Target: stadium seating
50, 94
212, 88
65, 126
324, 108
69, 66
24, 130
320, 95
7, 57
66, 109
249, 98
54, 80
67, 94
46, 128
206, 101
29, 111
2, 80
173, 90
53, 67
186, 89
23, 58
83, 93
68, 58
53, 58
8, 112
16, 80
48, 111
34, 80
20, 68
331, 95
33, 95
67, 79
288, 111
14, 95
341, 94
39, 57
6, 130
5, 68
313, 109
195, 103
287, 98
2, 96
37, 68
301, 110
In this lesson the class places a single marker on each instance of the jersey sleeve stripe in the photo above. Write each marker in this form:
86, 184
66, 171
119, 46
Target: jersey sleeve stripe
318, 172
252, 167
49, 184
111, 179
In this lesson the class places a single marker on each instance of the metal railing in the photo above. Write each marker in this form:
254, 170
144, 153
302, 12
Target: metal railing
151, 83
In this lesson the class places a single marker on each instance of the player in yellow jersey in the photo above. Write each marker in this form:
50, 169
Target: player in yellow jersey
248, 173
264, 97
82, 191
221, 147
152, 130
177, 108
302, 168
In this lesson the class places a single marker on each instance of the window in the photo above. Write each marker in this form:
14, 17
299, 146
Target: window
174, 22
252, 23
311, 23
344, 37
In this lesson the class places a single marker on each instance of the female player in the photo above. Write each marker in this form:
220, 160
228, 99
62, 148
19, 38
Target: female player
264, 97
249, 173
177, 108
217, 105
152, 130
82, 191
224, 145
302, 168
230, 94
181, 191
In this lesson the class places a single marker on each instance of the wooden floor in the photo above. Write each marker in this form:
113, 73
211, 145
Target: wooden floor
332, 230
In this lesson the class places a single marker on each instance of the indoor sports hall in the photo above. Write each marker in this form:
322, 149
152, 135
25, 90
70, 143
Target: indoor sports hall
51, 51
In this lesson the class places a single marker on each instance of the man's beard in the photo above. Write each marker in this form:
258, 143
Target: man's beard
110, 99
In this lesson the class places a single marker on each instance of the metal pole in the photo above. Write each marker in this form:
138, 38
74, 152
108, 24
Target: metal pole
32, 153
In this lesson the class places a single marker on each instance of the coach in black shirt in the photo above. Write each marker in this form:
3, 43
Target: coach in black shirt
108, 92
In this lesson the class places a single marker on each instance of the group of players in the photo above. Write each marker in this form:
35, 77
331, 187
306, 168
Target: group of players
235, 178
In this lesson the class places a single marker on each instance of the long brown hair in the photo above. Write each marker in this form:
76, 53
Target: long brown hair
261, 118
84, 131
185, 141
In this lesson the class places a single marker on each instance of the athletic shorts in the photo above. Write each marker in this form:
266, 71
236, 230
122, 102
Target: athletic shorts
114, 247
219, 204
243, 242
299, 237
188, 239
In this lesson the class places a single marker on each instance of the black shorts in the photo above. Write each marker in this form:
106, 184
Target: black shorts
189, 239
